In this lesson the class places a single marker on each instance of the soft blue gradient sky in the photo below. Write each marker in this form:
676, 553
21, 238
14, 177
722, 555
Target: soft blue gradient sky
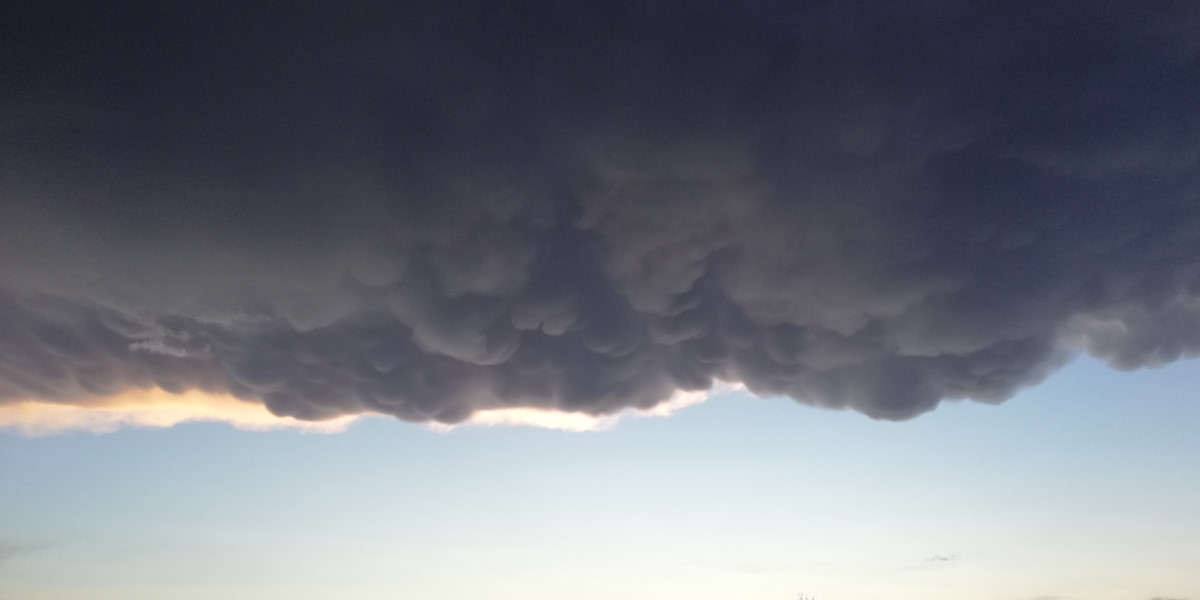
1084, 487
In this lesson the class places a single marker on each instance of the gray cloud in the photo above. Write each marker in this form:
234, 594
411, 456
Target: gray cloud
434, 209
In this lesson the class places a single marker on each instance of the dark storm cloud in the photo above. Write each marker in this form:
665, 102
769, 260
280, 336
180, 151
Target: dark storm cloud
426, 209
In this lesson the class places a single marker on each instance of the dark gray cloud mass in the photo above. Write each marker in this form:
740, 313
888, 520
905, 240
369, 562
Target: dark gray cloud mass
430, 208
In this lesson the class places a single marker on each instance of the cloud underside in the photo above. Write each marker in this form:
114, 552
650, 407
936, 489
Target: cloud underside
442, 214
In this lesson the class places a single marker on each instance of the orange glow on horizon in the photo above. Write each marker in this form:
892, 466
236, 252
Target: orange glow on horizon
152, 408
156, 408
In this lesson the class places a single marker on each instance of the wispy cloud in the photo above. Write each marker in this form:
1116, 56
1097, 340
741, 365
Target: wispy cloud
10, 550
942, 558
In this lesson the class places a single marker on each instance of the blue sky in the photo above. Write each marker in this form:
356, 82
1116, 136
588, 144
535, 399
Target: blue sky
1081, 488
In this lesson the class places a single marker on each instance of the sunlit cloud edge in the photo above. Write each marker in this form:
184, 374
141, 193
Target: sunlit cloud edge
158, 409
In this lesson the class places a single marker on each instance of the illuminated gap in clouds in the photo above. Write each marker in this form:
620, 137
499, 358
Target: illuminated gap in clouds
153, 408
160, 409
569, 421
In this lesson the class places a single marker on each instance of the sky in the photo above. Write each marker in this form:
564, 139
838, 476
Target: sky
738, 497
576, 276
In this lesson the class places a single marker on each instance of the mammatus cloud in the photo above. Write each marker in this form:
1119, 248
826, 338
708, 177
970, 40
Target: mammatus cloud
447, 211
